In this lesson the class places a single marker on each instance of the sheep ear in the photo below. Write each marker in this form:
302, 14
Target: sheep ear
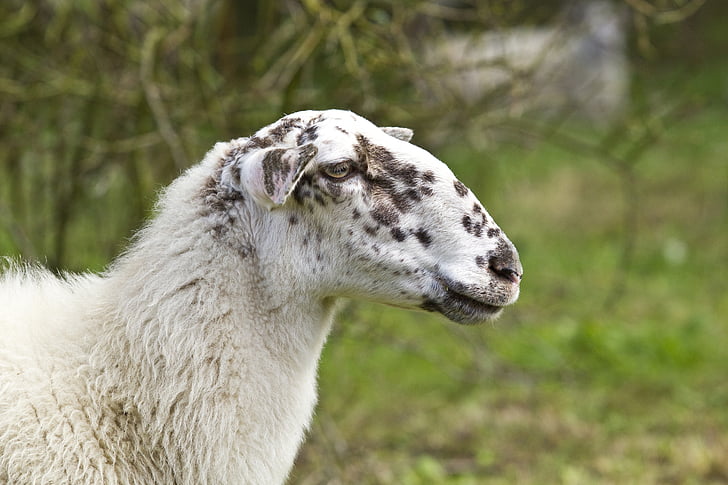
271, 174
404, 134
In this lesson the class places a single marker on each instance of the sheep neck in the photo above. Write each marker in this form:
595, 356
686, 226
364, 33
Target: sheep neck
208, 366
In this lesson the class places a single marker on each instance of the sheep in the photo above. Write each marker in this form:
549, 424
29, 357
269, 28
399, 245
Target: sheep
577, 65
192, 359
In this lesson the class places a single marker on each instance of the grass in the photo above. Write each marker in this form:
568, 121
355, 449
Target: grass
600, 374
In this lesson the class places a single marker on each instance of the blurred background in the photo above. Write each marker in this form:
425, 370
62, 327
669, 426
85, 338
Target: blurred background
595, 132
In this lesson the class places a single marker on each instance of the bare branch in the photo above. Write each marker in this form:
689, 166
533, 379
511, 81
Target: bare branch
154, 99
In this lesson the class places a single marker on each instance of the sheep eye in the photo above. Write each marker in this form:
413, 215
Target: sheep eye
339, 170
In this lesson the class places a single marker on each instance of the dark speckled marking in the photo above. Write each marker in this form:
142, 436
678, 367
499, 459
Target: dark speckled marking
273, 168
481, 261
301, 192
306, 153
429, 305
493, 232
334, 188
308, 135
460, 188
355, 214
293, 220
475, 225
385, 215
398, 234
396, 186
414, 195
278, 132
257, 142
423, 236
217, 198
467, 222
307, 191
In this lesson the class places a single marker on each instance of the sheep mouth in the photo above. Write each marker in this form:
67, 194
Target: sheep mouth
458, 304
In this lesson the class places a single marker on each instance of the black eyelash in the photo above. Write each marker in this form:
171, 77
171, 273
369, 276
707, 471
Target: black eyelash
349, 165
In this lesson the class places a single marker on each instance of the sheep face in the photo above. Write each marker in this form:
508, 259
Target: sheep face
371, 215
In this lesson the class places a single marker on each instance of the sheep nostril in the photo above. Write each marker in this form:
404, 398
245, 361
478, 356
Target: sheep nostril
506, 268
510, 274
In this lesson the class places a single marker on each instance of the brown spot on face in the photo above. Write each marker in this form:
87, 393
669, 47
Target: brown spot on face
460, 188
278, 132
398, 234
473, 227
481, 261
385, 215
308, 135
315, 119
414, 195
257, 142
372, 231
299, 194
367, 150
307, 192
394, 185
423, 236
493, 232
356, 214
306, 153
334, 188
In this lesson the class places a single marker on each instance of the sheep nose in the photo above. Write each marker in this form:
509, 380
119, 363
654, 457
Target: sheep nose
507, 265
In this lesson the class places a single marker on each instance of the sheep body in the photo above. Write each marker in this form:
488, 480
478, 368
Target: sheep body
193, 358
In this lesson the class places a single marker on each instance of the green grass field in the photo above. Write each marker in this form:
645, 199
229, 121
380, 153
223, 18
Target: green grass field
611, 368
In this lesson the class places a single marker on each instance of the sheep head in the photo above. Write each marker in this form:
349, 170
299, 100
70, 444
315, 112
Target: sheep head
371, 215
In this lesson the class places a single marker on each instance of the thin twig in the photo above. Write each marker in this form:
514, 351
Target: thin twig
155, 102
